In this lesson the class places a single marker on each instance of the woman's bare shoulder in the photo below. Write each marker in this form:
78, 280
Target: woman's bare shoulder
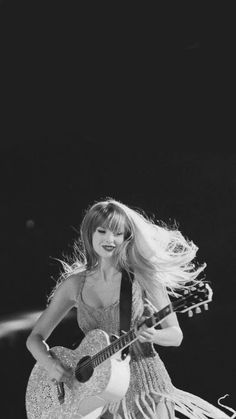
72, 284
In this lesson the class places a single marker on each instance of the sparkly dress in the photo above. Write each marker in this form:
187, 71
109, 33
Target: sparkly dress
151, 393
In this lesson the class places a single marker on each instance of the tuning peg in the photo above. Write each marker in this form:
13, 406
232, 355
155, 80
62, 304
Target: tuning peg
205, 306
190, 313
198, 310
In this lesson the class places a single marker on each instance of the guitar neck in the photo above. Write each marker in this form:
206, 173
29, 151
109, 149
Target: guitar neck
127, 338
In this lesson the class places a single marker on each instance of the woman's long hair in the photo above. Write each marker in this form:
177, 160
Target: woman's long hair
159, 255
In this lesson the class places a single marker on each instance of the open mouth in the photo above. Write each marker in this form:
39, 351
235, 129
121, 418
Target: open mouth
108, 248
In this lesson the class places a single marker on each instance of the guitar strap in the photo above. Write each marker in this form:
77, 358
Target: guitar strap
126, 304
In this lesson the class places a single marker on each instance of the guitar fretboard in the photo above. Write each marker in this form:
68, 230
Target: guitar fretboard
129, 337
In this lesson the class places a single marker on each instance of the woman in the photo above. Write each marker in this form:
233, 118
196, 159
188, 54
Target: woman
115, 238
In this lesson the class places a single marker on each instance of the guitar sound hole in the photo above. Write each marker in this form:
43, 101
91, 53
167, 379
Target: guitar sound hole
84, 369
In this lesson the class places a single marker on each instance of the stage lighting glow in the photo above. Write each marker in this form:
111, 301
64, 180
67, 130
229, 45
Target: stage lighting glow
17, 322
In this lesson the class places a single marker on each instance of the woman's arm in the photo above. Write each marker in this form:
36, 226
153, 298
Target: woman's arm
63, 300
171, 333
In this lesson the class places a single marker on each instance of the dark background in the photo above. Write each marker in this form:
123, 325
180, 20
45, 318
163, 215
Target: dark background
96, 107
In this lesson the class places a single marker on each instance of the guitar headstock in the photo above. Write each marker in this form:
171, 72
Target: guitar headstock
195, 299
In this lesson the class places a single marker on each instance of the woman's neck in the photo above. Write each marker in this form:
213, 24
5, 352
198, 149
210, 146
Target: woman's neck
107, 270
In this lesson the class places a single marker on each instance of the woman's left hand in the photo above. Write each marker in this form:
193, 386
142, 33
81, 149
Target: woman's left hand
147, 334
169, 336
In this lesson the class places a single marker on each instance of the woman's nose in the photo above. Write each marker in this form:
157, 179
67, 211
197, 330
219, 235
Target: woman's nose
109, 236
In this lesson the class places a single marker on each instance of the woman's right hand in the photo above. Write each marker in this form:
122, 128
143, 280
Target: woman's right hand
57, 371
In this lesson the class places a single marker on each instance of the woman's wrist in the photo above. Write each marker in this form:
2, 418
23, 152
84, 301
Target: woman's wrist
49, 360
170, 336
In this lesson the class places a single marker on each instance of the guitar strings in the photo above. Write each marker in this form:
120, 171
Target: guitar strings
119, 340
111, 346
103, 351
131, 333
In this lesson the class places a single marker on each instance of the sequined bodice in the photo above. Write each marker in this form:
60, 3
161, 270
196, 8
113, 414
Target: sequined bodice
89, 318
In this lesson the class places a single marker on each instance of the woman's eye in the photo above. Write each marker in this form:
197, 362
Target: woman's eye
102, 231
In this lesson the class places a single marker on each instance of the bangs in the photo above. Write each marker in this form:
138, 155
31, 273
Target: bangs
110, 218
115, 222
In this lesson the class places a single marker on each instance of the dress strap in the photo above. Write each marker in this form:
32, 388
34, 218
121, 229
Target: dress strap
80, 286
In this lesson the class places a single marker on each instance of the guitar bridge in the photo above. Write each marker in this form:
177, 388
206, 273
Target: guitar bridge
60, 392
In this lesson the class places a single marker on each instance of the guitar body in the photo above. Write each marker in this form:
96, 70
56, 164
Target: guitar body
109, 382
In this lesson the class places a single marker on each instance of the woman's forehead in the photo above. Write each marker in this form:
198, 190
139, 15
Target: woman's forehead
114, 226
113, 221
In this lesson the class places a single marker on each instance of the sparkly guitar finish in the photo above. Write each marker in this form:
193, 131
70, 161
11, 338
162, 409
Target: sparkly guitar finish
109, 381
100, 374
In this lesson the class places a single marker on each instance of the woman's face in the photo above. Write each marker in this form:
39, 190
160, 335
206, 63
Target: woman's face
105, 242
